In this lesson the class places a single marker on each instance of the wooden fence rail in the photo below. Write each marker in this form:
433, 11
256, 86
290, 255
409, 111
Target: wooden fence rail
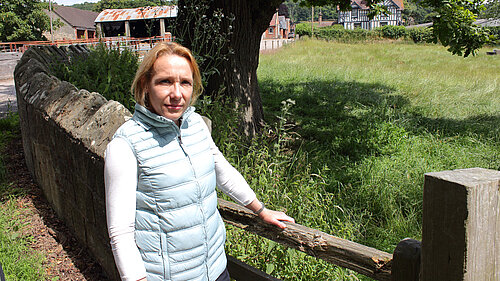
461, 235
135, 44
365, 260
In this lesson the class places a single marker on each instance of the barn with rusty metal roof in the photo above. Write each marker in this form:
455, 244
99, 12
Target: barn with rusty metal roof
137, 22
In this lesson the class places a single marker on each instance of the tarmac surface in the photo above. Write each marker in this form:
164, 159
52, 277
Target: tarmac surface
8, 101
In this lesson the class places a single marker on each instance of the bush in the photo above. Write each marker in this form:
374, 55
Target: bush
392, 32
109, 72
303, 29
495, 32
420, 34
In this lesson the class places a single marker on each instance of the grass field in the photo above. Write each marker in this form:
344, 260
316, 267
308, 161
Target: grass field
353, 129
19, 261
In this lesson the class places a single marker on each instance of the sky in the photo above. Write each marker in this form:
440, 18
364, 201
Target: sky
71, 2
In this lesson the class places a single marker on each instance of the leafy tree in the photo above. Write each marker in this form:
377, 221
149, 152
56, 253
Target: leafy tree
492, 10
89, 6
124, 4
453, 27
414, 13
23, 20
298, 13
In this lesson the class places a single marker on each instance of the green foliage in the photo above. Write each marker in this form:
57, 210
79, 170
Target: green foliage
494, 32
338, 34
414, 13
491, 10
453, 23
23, 20
420, 34
392, 32
19, 262
206, 32
300, 13
89, 6
124, 4
352, 129
109, 72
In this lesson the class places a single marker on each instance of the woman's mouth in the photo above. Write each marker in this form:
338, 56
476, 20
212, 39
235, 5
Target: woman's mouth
174, 106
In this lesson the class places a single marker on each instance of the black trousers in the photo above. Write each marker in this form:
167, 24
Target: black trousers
224, 276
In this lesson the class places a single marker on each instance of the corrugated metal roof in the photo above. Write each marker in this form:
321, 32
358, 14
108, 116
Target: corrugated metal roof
137, 13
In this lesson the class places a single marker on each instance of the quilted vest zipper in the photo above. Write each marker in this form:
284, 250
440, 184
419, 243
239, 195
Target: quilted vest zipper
181, 144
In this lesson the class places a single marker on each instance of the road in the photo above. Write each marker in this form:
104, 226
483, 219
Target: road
8, 102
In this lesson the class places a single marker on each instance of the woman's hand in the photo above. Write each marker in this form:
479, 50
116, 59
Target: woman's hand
269, 216
275, 218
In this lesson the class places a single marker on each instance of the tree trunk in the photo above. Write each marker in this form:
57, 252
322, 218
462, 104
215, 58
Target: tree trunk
238, 74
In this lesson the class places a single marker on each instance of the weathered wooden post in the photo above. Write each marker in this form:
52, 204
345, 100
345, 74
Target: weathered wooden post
406, 260
461, 225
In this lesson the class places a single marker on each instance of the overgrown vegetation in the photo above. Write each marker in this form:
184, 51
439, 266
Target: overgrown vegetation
109, 72
352, 130
19, 262
24, 20
418, 34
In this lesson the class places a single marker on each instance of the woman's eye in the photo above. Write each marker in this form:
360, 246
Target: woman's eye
186, 83
165, 81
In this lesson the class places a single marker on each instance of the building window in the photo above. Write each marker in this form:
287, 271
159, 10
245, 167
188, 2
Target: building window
383, 23
271, 30
80, 34
354, 13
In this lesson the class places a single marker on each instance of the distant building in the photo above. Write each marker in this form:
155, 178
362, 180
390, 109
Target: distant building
77, 23
138, 22
358, 16
279, 27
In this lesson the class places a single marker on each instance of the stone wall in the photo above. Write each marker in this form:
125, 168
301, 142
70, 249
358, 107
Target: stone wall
65, 131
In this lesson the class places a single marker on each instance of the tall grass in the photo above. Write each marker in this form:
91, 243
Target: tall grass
18, 260
352, 130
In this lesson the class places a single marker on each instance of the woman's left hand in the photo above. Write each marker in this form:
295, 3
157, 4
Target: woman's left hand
275, 218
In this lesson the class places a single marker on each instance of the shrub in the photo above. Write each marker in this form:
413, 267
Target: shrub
303, 29
109, 72
494, 31
420, 34
392, 32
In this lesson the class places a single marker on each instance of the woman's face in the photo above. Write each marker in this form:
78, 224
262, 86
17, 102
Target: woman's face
171, 87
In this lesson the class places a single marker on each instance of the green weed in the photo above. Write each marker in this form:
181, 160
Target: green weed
19, 262
352, 129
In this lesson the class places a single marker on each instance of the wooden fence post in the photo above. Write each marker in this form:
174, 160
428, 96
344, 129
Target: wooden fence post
461, 225
406, 260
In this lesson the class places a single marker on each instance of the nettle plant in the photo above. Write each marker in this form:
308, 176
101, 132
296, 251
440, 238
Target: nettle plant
208, 42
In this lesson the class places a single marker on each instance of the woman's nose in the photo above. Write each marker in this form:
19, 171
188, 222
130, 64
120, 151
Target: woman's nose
176, 91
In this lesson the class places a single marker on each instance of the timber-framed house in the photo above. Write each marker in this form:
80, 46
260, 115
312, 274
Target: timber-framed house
358, 16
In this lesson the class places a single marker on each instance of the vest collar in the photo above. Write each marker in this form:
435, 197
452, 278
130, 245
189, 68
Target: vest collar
150, 120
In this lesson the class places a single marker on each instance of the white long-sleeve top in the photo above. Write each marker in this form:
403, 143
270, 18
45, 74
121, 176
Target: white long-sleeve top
120, 175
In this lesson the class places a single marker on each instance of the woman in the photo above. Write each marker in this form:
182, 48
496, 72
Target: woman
161, 169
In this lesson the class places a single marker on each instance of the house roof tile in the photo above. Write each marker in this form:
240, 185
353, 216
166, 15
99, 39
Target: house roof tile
77, 18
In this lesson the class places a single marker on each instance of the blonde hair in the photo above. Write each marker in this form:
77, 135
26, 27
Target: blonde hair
145, 71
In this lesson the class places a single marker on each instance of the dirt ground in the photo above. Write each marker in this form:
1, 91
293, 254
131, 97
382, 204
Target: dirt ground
65, 258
